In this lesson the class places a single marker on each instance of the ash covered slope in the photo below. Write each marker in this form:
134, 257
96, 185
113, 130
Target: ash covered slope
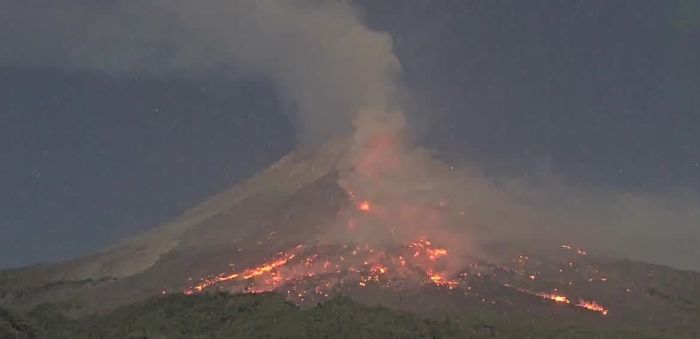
210, 232
218, 214
408, 246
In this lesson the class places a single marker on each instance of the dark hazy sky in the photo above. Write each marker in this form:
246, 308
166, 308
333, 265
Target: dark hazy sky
601, 92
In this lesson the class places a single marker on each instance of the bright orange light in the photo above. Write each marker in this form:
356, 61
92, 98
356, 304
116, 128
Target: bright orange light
434, 253
555, 297
439, 280
379, 269
585, 304
364, 206
247, 274
257, 271
593, 306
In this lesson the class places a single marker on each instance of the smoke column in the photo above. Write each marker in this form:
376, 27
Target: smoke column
321, 56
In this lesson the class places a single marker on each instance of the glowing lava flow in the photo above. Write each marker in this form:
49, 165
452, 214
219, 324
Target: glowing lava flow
562, 299
439, 280
555, 297
323, 270
329, 267
593, 306
247, 274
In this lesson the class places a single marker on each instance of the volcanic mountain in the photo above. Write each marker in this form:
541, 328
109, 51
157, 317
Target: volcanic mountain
376, 222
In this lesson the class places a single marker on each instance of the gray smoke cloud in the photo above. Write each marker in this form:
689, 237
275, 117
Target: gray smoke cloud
467, 210
545, 209
321, 56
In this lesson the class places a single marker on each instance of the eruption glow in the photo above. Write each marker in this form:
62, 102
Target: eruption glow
385, 244
363, 264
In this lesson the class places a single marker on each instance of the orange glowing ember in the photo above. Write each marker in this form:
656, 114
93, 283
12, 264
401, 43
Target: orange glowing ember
593, 306
578, 250
555, 297
436, 253
379, 269
364, 206
439, 280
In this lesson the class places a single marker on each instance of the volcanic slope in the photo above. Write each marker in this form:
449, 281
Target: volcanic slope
313, 226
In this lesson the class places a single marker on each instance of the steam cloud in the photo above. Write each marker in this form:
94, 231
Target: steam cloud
321, 56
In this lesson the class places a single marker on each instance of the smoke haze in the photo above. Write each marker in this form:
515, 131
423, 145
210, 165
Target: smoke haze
465, 209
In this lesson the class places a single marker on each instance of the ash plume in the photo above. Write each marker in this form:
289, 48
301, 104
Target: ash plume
320, 55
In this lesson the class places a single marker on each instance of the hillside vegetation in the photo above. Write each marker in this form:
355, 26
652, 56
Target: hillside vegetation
269, 316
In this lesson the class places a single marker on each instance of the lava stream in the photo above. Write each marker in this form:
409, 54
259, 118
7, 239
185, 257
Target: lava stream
416, 261
593, 306
562, 299
245, 275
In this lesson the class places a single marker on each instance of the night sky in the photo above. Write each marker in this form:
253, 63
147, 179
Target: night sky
604, 93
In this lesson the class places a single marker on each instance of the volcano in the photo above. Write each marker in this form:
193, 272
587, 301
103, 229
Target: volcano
376, 222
